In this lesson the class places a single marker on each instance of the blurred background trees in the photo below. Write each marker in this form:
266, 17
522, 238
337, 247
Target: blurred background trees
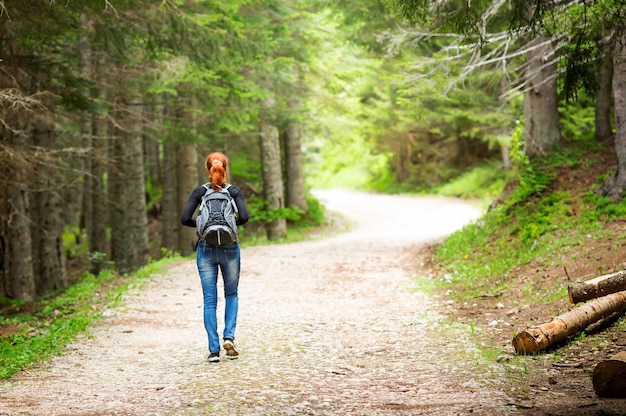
109, 107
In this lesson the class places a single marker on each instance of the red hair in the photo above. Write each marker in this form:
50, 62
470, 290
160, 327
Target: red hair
216, 165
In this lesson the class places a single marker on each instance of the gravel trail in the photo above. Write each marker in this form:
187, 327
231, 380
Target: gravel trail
326, 327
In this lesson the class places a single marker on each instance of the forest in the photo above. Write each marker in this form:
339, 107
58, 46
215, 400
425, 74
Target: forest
109, 107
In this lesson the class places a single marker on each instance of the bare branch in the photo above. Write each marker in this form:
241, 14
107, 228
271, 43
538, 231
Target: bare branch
109, 6
3, 10
493, 50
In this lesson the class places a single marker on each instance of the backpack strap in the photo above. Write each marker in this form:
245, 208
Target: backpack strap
235, 207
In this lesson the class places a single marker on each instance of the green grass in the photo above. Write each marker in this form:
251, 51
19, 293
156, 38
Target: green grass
537, 220
484, 182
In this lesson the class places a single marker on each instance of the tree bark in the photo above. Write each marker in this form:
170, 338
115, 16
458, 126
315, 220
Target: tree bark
296, 195
609, 377
151, 157
18, 274
542, 128
604, 97
598, 287
170, 211
98, 244
542, 336
186, 180
84, 125
150, 140
615, 184
18, 278
129, 228
272, 179
45, 215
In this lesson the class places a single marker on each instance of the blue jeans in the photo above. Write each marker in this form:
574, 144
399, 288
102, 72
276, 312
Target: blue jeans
228, 259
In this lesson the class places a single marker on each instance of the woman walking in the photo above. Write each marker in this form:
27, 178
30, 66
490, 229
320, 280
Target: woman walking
217, 254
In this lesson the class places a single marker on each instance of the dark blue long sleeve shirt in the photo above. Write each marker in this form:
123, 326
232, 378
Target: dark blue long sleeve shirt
196, 197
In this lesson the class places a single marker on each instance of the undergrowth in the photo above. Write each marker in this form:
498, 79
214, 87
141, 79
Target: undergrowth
539, 218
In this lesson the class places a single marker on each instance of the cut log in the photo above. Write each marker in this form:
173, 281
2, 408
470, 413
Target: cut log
540, 337
598, 287
609, 377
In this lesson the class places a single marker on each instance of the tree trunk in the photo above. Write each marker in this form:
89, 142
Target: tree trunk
541, 129
86, 220
152, 162
170, 210
186, 181
616, 183
296, 195
604, 97
17, 260
129, 229
98, 244
402, 149
609, 377
46, 223
272, 179
542, 336
18, 278
150, 141
505, 153
87, 140
598, 287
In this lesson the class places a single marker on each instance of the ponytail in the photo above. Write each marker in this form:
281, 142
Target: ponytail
216, 165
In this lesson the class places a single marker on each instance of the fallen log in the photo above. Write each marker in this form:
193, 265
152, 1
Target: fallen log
598, 287
540, 337
609, 377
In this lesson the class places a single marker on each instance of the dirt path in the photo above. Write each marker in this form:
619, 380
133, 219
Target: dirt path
326, 327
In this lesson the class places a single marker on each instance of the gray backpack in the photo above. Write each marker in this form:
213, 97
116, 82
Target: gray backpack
217, 217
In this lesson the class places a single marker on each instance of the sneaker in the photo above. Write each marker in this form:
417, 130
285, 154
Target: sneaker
231, 351
214, 357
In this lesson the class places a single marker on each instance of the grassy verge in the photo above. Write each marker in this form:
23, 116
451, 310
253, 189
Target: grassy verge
550, 217
510, 270
31, 334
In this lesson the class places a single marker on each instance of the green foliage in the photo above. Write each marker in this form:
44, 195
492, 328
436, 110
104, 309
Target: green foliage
260, 213
603, 208
416, 10
536, 221
74, 243
315, 215
351, 112
58, 322
298, 221
578, 119
312, 224
484, 182
533, 177
245, 169
155, 193
10, 307
518, 156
